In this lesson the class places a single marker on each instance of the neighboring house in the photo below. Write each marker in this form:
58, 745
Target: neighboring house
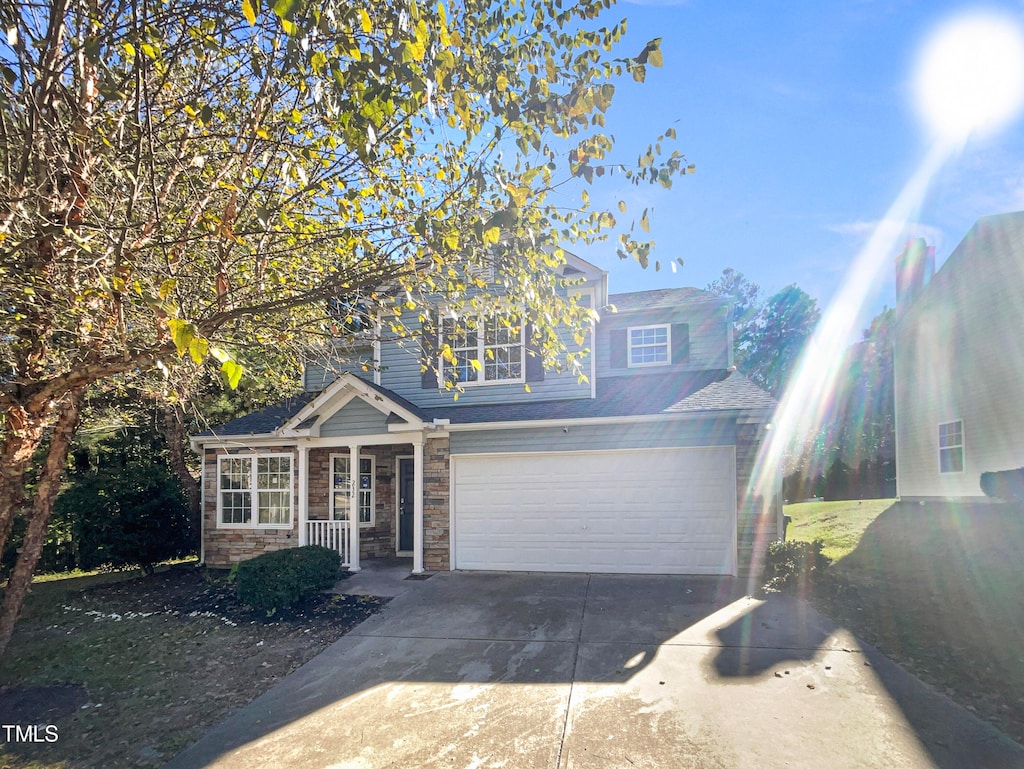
959, 362
642, 469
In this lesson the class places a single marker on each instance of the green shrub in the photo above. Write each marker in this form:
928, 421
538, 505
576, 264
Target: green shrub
795, 566
280, 578
125, 510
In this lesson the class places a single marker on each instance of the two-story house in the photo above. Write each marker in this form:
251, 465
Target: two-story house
643, 467
959, 345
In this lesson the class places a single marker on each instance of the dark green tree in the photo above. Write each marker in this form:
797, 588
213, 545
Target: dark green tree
746, 305
782, 328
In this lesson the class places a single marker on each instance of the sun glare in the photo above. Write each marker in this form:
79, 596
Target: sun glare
969, 77
969, 81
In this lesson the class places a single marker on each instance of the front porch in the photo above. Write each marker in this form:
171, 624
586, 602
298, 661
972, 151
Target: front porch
368, 477
374, 512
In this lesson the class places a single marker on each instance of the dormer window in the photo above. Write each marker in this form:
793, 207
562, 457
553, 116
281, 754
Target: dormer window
487, 351
650, 345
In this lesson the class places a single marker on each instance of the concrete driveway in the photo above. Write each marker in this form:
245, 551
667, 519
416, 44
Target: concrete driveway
560, 671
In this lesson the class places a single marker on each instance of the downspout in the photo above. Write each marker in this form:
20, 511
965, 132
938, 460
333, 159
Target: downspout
202, 505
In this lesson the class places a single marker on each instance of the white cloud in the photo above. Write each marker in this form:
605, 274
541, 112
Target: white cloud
860, 230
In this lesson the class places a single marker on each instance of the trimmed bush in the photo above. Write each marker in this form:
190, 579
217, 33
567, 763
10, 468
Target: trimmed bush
1007, 485
278, 579
795, 566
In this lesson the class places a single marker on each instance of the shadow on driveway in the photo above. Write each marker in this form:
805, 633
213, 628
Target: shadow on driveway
532, 670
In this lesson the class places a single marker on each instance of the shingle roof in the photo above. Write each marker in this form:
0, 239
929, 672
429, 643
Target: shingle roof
628, 396
703, 391
725, 394
661, 297
264, 421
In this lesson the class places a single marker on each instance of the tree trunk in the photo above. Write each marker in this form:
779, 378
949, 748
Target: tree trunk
22, 435
174, 433
50, 476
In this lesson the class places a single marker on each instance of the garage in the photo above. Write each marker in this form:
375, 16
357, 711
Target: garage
645, 511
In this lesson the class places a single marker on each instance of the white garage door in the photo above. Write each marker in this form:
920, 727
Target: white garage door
658, 511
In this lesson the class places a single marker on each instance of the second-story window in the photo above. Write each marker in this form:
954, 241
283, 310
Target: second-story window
484, 351
649, 346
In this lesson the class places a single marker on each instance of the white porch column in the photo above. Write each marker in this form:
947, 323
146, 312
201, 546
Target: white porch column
417, 506
353, 508
303, 494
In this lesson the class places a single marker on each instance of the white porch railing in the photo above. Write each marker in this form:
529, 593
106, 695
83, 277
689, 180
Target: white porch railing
332, 534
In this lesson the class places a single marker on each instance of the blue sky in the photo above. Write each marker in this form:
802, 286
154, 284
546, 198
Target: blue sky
800, 119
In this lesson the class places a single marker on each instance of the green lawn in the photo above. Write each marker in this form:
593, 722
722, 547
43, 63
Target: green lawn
838, 524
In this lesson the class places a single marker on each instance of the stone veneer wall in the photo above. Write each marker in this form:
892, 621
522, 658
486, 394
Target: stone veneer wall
436, 505
757, 517
224, 547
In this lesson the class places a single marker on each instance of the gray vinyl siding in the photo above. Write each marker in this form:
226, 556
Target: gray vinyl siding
957, 357
709, 337
400, 372
357, 417
324, 367
663, 434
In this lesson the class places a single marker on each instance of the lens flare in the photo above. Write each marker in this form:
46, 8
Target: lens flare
969, 77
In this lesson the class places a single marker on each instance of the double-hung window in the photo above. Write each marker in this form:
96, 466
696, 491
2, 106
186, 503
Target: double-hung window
255, 491
649, 346
341, 480
951, 447
487, 351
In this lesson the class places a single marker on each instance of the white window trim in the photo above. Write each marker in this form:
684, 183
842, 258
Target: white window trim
481, 381
961, 446
254, 513
668, 345
373, 488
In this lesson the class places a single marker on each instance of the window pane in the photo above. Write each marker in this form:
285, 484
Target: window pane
339, 473
273, 472
506, 363
235, 472
365, 510
951, 460
275, 507
462, 370
458, 335
236, 506
340, 506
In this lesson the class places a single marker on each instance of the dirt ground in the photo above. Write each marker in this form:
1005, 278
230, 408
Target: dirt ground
128, 674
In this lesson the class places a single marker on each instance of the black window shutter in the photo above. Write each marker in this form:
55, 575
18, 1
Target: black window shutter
619, 352
534, 362
680, 343
428, 347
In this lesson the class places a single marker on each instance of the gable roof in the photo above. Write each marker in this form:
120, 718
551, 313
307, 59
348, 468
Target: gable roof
278, 415
261, 422
633, 301
703, 392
